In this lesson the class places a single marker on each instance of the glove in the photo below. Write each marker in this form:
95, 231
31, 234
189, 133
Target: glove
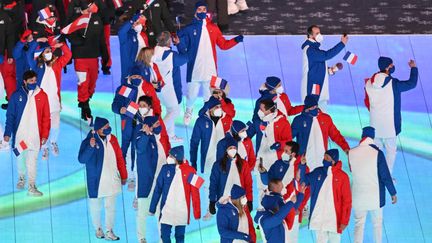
212, 208
275, 146
238, 38
250, 206
25, 35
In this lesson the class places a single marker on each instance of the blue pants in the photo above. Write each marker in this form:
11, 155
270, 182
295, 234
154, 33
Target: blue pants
128, 139
166, 233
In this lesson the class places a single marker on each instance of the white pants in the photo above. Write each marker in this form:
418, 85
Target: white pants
193, 89
27, 160
131, 173
293, 233
360, 219
55, 128
327, 236
390, 145
95, 205
168, 98
142, 213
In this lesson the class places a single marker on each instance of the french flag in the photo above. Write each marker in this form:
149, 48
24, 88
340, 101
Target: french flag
45, 13
218, 83
350, 57
195, 180
126, 92
117, 3
80, 23
132, 109
316, 89
21, 147
148, 3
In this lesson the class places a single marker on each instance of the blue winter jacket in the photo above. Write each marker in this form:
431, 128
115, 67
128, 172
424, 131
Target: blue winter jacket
146, 163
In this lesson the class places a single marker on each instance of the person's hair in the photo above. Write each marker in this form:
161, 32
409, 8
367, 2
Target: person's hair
236, 136
268, 104
224, 161
295, 147
29, 74
164, 38
147, 99
310, 28
145, 55
272, 184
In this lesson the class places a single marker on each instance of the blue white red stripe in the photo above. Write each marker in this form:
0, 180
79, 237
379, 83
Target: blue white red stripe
126, 91
21, 147
195, 180
45, 13
218, 83
316, 89
350, 57
132, 109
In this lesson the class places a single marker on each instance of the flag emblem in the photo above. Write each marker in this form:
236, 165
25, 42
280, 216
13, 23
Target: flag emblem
21, 147
316, 89
45, 13
195, 180
350, 57
126, 92
218, 83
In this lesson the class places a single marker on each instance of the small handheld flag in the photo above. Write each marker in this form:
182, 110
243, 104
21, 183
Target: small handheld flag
126, 92
21, 147
148, 3
79, 23
45, 13
218, 83
350, 57
195, 180
316, 89
93, 8
117, 3
131, 109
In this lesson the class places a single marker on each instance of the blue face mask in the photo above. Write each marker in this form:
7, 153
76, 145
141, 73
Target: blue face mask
107, 131
157, 130
201, 15
31, 86
313, 112
327, 163
391, 70
136, 81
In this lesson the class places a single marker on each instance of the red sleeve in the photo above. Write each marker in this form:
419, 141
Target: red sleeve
336, 136
228, 108
247, 181
195, 199
346, 200
251, 154
223, 43
164, 137
291, 110
46, 118
121, 165
158, 75
283, 135
65, 58
305, 200
156, 102
252, 234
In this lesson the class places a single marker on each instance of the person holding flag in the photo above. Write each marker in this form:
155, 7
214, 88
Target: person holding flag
130, 91
49, 70
106, 173
176, 186
46, 24
55, 7
234, 220
28, 125
86, 35
199, 40
315, 69
312, 129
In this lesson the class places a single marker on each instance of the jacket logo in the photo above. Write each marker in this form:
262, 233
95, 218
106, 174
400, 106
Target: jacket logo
304, 124
96, 22
20, 98
281, 169
151, 33
168, 174
195, 32
156, 5
207, 125
1, 21
319, 177
233, 212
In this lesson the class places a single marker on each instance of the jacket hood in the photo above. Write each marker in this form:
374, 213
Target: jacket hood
379, 80
159, 52
310, 43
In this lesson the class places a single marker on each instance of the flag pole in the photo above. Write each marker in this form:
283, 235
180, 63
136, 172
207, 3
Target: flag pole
85, 31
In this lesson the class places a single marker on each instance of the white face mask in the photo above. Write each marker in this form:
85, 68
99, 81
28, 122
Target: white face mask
242, 135
170, 160
261, 114
144, 110
232, 152
280, 89
217, 112
48, 56
286, 156
138, 28
243, 201
319, 38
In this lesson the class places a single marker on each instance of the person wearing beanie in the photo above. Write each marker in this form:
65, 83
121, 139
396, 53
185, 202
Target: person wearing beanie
273, 89
229, 171
199, 40
245, 148
316, 73
174, 191
330, 204
49, 68
132, 37
234, 221
138, 87
383, 100
28, 124
271, 219
169, 63
151, 157
370, 178
106, 173
312, 129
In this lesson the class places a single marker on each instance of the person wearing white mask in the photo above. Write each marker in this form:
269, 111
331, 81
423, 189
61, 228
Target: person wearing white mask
234, 220
49, 70
315, 69
230, 170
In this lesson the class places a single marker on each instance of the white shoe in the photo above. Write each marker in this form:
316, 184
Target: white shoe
109, 235
34, 192
131, 185
21, 183
143, 241
54, 149
45, 153
242, 6
232, 8
187, 116
100, 234
175, 139
135, 204
4, 146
